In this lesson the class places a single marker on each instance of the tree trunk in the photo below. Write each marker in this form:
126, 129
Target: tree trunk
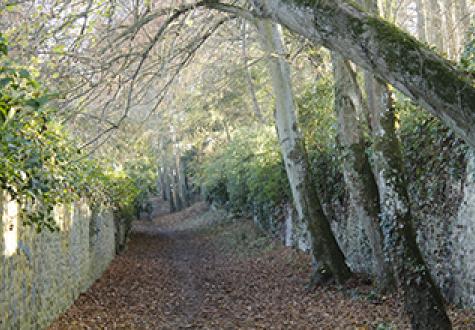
177, 194
325, 248
167, 184
422, 299
450, 32
163, 186
182, 183
384, 50
173, 193
357, 170
250, 85
436, 36
421, 20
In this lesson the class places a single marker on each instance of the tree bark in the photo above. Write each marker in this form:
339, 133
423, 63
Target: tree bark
436, 36
177, 193
162, 182
421, 20
330, 258
387, 52
422, 299
358, 175
450, 32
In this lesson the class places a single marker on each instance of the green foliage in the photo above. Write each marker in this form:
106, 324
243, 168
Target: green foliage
247, 171
40, 165
318, 123
433, 156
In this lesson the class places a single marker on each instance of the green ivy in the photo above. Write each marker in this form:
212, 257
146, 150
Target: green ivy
40, 165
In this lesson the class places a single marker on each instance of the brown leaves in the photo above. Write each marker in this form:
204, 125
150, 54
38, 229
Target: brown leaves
218, 277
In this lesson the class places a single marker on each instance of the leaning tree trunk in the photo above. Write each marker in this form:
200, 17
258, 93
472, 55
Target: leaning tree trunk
383, 49
358, 175
328, 254
422, 299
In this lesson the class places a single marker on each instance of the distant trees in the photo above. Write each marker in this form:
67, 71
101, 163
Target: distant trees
115, 64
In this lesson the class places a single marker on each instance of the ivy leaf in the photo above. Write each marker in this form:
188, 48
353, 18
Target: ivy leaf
5, 81
24, 74
58, 49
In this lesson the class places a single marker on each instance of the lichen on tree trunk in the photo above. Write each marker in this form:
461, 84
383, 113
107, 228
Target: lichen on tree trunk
325, 248
358, 175
422, 300
383, 49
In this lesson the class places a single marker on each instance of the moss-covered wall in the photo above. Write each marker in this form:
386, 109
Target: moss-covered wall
42, 274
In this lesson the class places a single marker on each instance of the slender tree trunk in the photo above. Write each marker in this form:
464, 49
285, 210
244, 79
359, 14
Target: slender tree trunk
182, 183
422, 299
177, 196
169, 187
421, 20
357, 169
172, 193
166, 187
436, 36
325, 248
163, 186
450, 32
250, 85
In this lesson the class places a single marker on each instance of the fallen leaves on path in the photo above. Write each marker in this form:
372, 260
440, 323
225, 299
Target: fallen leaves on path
190, 270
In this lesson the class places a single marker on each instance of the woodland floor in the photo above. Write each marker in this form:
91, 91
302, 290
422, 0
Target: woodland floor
197, 269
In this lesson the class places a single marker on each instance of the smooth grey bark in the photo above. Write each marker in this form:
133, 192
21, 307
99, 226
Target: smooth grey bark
422, 300
330, 258
386, 51
358, 175
421, 20
436, 36
450, 32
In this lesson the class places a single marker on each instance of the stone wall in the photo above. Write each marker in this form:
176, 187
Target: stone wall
447, 242
42, 274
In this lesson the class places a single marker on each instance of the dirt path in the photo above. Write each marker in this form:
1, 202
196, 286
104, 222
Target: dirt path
180, 272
